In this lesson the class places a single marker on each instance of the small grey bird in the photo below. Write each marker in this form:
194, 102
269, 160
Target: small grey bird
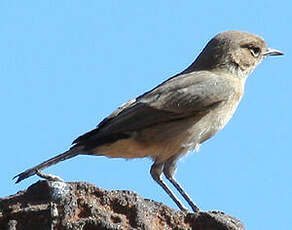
179, 114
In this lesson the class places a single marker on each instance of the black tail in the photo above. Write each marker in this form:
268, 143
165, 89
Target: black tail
74, 151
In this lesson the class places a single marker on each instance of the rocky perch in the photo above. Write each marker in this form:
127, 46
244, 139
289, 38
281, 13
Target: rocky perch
82, 206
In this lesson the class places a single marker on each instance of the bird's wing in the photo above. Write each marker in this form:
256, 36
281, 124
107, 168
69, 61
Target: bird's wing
177, 98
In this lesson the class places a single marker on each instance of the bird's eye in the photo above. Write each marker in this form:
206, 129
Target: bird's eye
255, 51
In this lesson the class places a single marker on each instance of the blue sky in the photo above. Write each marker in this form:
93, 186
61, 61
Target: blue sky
65, 65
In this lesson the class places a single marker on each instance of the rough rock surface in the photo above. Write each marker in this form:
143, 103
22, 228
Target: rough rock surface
63, 206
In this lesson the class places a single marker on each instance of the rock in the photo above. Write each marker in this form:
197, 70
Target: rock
77, 205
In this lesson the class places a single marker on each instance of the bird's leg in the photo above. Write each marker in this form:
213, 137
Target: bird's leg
156, 173
49, 177
169, 171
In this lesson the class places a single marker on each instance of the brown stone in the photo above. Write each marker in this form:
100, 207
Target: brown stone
63, 206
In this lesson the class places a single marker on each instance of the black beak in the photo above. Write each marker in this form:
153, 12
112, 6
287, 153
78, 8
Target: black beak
272, 52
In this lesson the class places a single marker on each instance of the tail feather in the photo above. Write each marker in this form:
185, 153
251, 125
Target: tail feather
74, 151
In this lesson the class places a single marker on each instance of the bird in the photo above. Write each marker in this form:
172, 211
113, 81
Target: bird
176, 116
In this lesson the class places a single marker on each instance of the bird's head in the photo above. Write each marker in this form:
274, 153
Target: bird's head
234, 52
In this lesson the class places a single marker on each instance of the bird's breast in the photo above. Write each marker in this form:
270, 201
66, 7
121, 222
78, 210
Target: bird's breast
217, 118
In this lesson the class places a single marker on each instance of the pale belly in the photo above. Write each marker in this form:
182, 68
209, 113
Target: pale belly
159, 142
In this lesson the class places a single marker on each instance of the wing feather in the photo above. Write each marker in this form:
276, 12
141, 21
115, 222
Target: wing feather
177, 98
